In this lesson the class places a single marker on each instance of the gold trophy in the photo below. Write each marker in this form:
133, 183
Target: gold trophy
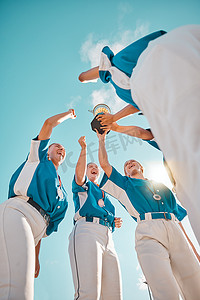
99, 109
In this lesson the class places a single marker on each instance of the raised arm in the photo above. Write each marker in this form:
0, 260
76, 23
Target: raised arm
103, 157
135, 131
107, 119
53, 121
124, 112
81, 163
89, 75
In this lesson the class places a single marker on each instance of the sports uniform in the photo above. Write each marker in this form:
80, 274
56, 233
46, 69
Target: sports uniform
91, 248
37, 204
117, 69
162, 83
160, 245
165, 85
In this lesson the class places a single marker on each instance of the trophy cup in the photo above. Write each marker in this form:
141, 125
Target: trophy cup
99, 109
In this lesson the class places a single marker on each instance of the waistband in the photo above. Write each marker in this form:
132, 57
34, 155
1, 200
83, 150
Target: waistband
96, 221
41, 211
156, 215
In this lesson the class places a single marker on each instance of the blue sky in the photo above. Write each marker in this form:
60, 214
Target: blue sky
45, 44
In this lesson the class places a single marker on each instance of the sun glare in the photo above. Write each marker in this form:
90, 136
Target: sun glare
157, 172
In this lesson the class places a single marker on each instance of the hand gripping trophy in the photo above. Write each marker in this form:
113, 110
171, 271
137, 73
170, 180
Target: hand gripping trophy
98, 110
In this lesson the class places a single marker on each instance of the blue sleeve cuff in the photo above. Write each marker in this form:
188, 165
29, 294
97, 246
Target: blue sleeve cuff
103, 180
115, 177
182, 213
78, 188
105, 64
152, 143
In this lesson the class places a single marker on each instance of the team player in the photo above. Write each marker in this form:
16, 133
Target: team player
160, 245
37, 204
144, 134
94, 262
117, 69
147, 136
165, 85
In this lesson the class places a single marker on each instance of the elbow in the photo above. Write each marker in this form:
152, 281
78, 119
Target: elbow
81, 77
48, 122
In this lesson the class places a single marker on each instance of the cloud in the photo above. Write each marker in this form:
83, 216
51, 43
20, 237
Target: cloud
107, 96
91, 48
74, 100
124, 9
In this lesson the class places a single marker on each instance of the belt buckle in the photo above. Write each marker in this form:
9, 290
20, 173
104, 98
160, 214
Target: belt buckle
165, 216
47, 218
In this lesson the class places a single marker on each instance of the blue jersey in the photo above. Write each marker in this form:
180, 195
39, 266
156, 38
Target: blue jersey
117, 69
86, 198
37, 178
136, 195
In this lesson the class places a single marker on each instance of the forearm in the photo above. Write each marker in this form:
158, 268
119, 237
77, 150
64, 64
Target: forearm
57, 119
103, 158
127, 110
81, 167
52, 122
89, 75
133, 131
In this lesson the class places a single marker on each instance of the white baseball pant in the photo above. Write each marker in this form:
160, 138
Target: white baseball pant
21, 228
167, 261
94, 262
165, 84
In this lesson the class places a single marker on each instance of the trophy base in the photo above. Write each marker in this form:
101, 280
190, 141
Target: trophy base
95, 124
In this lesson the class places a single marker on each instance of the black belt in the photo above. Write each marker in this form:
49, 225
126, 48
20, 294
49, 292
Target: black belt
41, 211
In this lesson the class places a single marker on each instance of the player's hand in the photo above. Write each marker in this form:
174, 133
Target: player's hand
37, 267
118, 222
72, 114
105, 119
102, 136
112, 126
82, 142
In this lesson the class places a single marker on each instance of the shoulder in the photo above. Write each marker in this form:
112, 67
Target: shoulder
80, 188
